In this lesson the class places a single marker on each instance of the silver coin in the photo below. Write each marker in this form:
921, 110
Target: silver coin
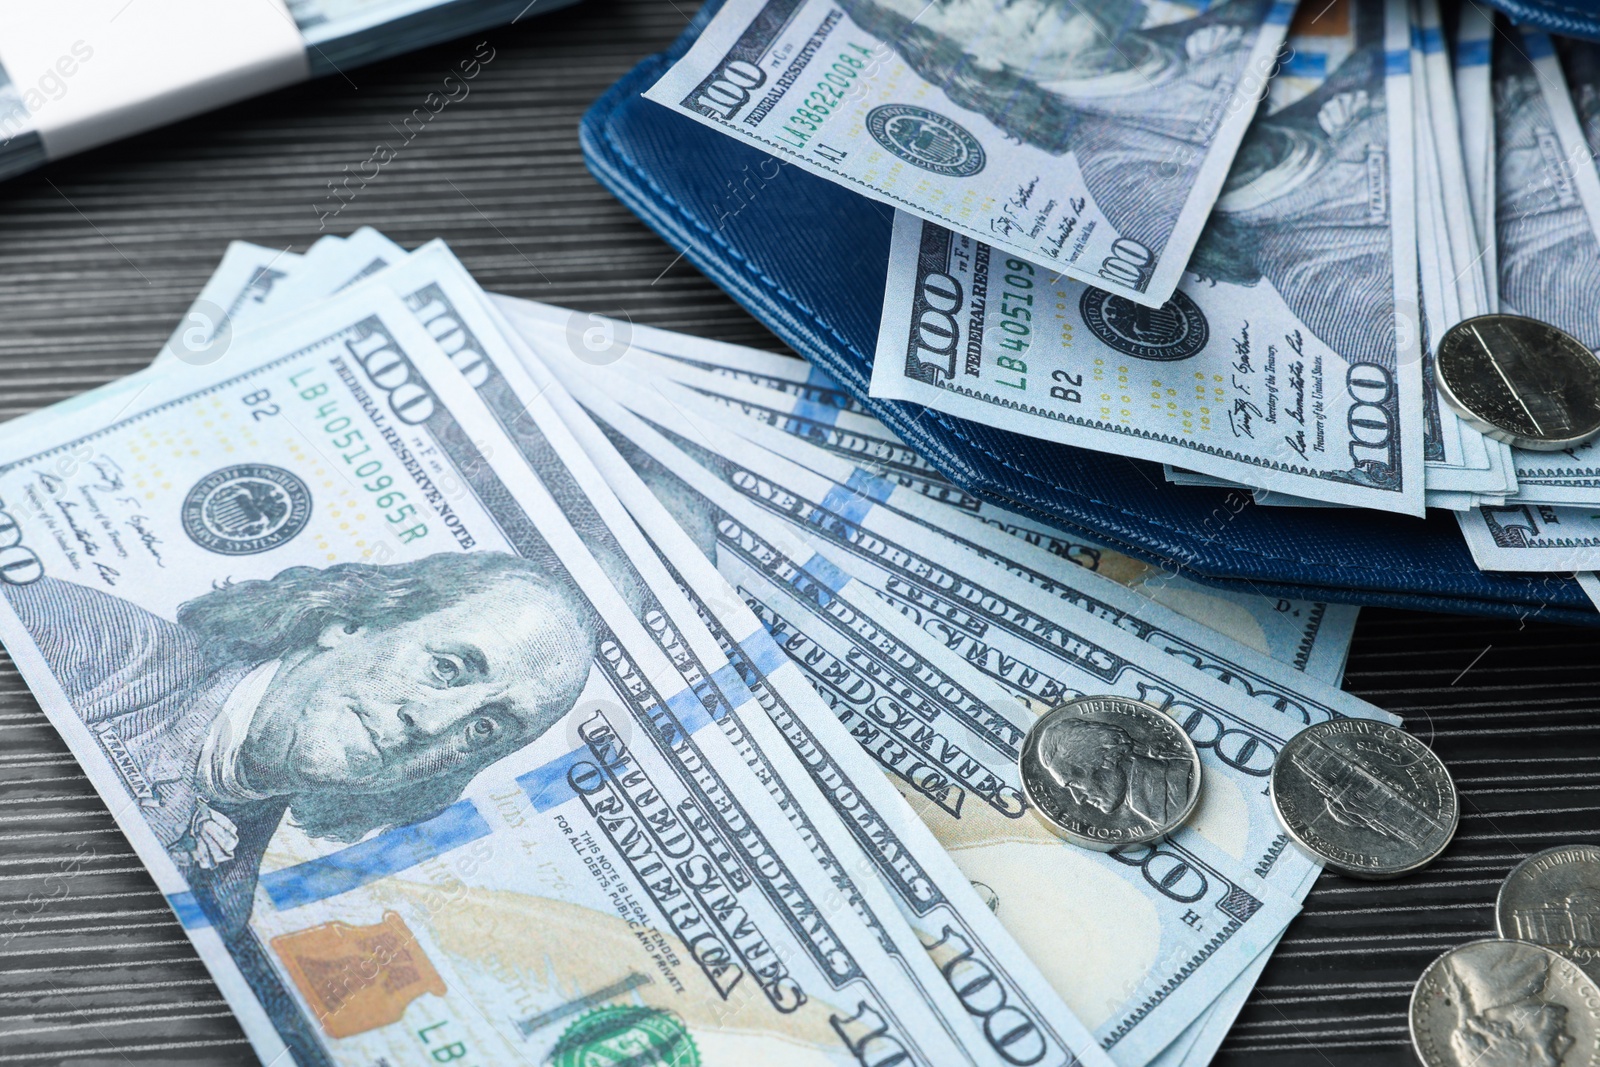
1365, 798
1105, 771
1505, 1004
1521, 381
1552, 898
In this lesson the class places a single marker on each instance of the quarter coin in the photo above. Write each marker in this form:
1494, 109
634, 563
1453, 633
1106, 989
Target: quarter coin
1106, 771
1364, 798
1521, 381
1552, 898
1504, 1003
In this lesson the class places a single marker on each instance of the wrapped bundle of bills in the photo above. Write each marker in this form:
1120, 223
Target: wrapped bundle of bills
476, 674
82, 73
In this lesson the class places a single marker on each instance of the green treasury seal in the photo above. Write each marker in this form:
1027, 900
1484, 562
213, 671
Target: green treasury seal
610, 1037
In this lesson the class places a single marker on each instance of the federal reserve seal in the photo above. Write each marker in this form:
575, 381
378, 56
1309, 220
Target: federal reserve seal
616, 1035
242, 510
926, 139
1175, 330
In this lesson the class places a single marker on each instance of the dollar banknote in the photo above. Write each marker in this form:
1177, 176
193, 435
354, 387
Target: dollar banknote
333, 265
1139, 610
1456, 205
1547, 218
231, 300
859, 516
1091, 139
1463, 469
1545, 184
1533, 537
798, 399
1474, 39
1310, 636
999, 616
910, 516
947, 736
1287, 359
1011, 1007
785, 495
403, 759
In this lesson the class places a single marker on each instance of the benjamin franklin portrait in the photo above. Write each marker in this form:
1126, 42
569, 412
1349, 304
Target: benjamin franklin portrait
350, 699
1503, 1018
1136, 104
1306, 205
1099, 764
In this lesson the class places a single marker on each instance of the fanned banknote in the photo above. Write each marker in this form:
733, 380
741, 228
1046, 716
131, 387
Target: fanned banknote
803, 402
910, 517
1547, 218
1288, 358
1474, 41
1463, 468
1091, 139
1011, 1008
1533, 537
947, 735
987, 608
402, 758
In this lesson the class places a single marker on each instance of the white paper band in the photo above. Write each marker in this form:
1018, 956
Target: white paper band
92, 71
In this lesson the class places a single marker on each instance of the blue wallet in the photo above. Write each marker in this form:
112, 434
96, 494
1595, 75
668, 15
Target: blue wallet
809, 259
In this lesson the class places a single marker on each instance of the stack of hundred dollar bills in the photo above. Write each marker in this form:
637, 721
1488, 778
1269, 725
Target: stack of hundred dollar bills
78, 75
1220, 236
484, 678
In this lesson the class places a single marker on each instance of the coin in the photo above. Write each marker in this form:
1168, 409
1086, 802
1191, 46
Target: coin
1521, 381
1504, 1003
1364, 798
1105, 771
1552, 898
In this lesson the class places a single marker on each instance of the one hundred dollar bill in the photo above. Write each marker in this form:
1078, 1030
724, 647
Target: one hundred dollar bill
946, 734
899, 542
230, 302
798, 399
1533, 537
904, 515
907, 558
1475, 109
1456, 203
1287, 359
1092, 139
402, 758
1017, 1019
1547, 217
1463, 468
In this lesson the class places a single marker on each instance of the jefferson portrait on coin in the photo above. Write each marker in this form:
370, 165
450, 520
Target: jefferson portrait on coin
1502, 1016
1101, 765
353, 699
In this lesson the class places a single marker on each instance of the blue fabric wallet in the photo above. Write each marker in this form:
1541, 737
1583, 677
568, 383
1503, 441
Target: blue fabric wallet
809, 258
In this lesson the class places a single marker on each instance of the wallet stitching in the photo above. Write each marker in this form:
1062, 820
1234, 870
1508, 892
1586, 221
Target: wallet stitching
801, 310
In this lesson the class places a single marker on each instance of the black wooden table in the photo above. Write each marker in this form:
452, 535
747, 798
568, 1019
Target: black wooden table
100, 254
